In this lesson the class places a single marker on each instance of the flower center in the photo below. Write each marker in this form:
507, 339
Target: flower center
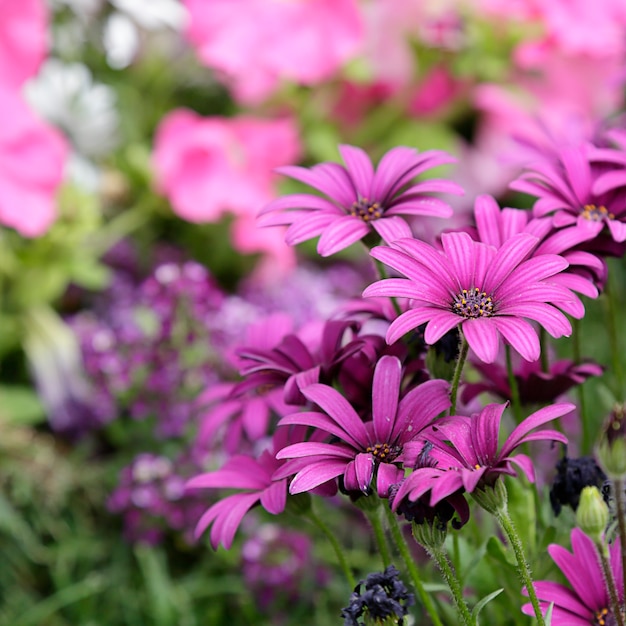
596, 214
366, 210
383, 451
473, 303
605, 618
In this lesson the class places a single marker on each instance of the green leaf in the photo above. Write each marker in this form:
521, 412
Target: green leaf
20, 405
496, 550
158, 584
478, 607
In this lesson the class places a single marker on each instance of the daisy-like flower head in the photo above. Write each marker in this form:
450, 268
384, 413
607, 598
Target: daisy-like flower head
587, 602
487, 291
466, 454
576, 191
365, 450
359, 199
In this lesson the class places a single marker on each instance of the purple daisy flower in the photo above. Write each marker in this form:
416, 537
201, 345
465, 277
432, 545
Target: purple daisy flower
535, 386
574, 190
587, 602
252, 475
364, 450
466, 455
487, 291
360, 199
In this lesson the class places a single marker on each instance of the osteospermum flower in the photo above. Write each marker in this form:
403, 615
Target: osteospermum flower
572, 190
359, 199
466, 455
487, 291
364, 450
587, 602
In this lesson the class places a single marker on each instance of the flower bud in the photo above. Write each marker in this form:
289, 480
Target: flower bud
611, 449
492, 499
430, 534
592, 514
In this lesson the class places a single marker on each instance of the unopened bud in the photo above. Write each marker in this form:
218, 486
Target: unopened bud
592, 514
611, 449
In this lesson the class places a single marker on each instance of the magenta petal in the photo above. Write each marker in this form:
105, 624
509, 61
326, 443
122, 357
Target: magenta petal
398, 288
618, 230
419, 407
360, 168
364, 468
316, 474
392, 228
582, 569
274, 498
337, 407
312, 448
482, 336
508, 257
536, 419
228, 479
447, 484
608, 181
487, 216
386, 476
298, 201
343, 232
385, 391
578, 171
226, 524
484, 432
459, 249
524, 463
440, 323
563, 597
520, 335
324, 178
408, 321
546, 315
319, 420
427, 207
308, 227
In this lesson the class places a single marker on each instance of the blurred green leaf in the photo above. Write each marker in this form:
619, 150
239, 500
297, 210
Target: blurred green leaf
20, 405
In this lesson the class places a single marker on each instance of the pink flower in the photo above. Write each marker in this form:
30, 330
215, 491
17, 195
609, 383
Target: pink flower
360, 199
23, 39
488, 291
208, 166
587, 602
32, 158
257, 43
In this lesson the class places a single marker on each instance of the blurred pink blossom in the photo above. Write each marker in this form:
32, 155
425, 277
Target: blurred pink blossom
23, 39
32, 159
210, 166
257, 43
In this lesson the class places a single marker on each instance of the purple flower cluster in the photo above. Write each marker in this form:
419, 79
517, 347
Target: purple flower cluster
151, 498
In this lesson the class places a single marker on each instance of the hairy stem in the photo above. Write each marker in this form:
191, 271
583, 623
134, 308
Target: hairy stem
379, 535
443, 563
603, 555
458, 370
620, 505
405, 553
505, 521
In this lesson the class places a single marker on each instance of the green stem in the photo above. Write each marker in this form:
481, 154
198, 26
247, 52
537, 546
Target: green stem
379, 534
456, 378
618, 488
610, 583
580, 389
515, 399
407, 557
457, 593
505, 521
343, 563
613, 320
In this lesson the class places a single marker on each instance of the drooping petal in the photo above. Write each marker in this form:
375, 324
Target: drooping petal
439, 324
521, 335
226, 524
408, 321
482, 337
274, 498
340, 234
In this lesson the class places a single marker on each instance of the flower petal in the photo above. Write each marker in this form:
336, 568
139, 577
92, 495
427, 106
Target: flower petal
482, 336
274, 498
360, 168
521, 335
385, 392
316, 474
341, 233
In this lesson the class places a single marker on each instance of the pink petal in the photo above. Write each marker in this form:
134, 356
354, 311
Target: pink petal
387, 475
274, 498
546, 315
487, 216
298, 201
316, 474
459, 248
440, 323
307, 227
360, 167
426, 207
482, 336
520, 335
226, 524
319, 420
419, 407
364, 468
308, 448
391, 228
385, 391
343, 232
407, 322
512, 252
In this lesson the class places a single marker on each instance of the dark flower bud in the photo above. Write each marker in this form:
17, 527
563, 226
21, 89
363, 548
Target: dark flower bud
385, 600
571, 477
